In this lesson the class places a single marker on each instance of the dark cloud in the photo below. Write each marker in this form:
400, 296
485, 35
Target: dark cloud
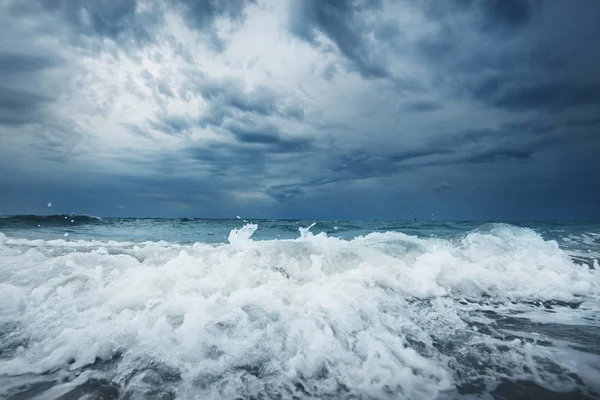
131, 23
18, 63
254, 154
329, 72
226, 98
22, 99
442, 187
233, 162
531, 126
503, 12
497, 155
516, 60
361, 164
423, 106
232, 94
270, 136
582, 122
117, 20
172, 124
284, 193
511, 12
247, 114
201, 15
551, 96
101, 194
20, 107
344, 22
33, 71
105, 18
19, 101
516, 141
164, 89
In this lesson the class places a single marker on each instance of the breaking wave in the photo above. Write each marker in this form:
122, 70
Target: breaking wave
384, 315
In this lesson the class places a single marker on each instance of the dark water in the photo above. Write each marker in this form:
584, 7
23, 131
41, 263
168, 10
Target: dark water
201, 309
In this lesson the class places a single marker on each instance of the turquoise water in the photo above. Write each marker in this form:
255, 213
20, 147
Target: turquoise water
192, 308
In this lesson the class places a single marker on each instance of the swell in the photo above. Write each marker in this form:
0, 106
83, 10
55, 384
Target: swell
34, 221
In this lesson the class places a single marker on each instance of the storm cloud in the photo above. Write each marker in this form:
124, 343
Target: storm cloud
301, 108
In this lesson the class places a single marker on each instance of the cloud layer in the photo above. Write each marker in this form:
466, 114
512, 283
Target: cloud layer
301, 108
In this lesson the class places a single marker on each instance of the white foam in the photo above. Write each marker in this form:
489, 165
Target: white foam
329, 312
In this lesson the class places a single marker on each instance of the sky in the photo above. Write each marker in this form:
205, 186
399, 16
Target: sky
383, 109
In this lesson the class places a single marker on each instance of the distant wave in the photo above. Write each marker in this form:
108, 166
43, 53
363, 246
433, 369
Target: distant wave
48, 220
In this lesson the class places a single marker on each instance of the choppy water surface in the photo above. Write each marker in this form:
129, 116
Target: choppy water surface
224, 309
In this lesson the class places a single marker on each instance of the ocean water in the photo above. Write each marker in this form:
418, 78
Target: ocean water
233, 309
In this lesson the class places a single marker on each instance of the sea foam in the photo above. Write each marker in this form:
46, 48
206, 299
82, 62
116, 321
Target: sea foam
385, 315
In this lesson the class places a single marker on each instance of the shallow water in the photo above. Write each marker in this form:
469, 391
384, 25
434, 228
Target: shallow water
201, 309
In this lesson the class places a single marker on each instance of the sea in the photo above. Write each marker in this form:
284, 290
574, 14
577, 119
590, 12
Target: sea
126, 308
